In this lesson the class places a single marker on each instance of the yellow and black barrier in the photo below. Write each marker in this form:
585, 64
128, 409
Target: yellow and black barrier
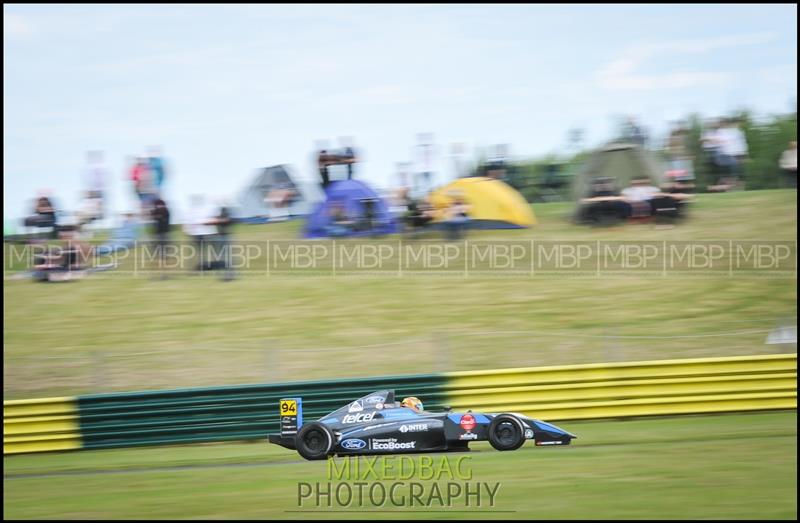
617, 390
41, 425
570, 392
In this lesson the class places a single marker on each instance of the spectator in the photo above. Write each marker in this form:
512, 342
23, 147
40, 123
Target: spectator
141, 179
418, 215
161, 227
134, 174
456, 218
44, 217
90, 209
96, 180
348, 156
601, 187
398, 202
497, 165
147, 186
199, 228
65, 262
322, 163
224, 222
680, 159
788, 164
638, 195
710, 140
279, 200
669, 205
732, 152
341, 224
634, 133
603, 206
323, 168
157, 170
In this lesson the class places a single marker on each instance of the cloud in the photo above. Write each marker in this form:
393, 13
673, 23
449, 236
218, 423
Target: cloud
620, 74
17, 27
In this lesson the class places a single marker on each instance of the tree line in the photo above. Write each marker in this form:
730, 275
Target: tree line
550, 177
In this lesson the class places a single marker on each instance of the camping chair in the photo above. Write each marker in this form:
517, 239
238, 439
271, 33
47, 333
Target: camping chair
368, 220
641, 212
62, 262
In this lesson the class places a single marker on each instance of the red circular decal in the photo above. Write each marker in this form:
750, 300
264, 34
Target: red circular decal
467, 422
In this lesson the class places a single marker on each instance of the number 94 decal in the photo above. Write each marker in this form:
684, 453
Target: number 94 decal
288, 407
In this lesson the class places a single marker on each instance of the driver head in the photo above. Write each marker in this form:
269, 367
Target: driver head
413, 403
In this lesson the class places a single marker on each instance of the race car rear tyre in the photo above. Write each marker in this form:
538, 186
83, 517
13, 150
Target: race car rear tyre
506, 432
314, 441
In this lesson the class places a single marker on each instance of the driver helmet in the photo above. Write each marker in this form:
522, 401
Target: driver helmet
412, 403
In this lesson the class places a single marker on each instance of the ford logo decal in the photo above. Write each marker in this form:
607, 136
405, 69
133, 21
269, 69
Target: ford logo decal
354, 444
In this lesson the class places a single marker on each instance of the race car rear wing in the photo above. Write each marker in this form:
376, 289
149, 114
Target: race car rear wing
291, 411
291, 419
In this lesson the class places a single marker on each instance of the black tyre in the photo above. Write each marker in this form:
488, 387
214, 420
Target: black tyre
314, 441
506, 432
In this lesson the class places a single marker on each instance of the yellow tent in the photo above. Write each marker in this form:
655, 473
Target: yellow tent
492, 204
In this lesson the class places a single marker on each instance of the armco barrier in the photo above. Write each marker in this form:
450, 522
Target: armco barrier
224, 413
40, 425
632, 389
548, 393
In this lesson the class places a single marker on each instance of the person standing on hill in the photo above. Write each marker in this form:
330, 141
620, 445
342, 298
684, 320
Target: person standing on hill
161, 226
140, 177
732, 152
348, 156
96, 180
635, 133
198, 227
322, 163
456, 217
44, 217
157, 170
224, 222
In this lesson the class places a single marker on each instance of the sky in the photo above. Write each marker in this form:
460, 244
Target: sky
227, 89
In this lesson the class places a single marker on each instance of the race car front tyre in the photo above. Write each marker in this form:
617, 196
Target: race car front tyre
506, 432
314, 441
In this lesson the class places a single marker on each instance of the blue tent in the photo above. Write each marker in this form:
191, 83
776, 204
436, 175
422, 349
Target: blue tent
351, 208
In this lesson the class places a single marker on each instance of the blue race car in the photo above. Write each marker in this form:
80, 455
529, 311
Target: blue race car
377, 424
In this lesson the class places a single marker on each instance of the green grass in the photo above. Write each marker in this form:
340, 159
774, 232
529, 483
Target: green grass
736, 466
114, 333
